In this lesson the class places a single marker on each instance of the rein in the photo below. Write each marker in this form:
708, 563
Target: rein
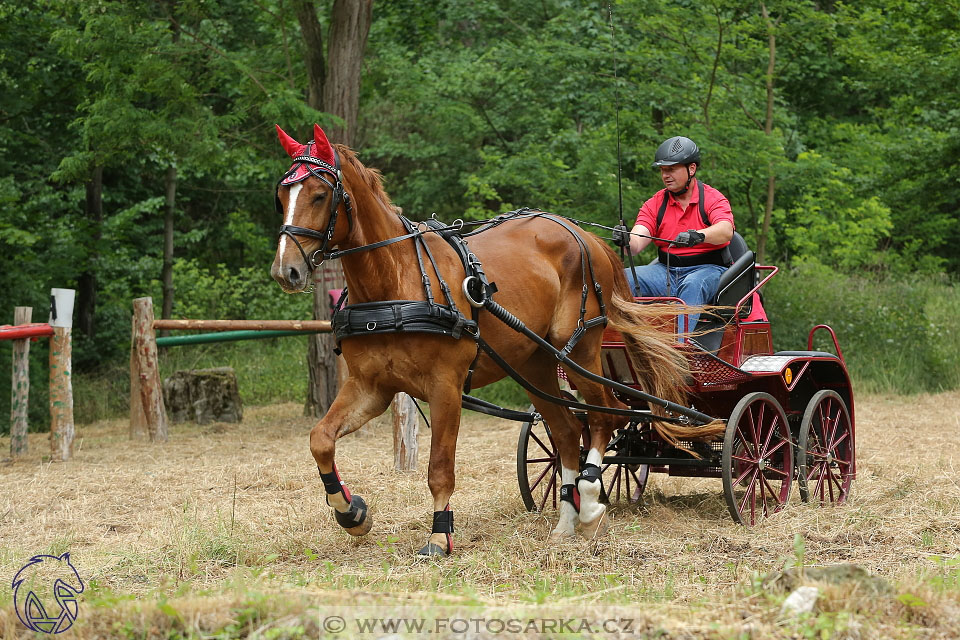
393, 316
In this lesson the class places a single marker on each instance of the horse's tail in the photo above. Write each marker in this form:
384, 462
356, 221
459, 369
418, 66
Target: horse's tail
661, 367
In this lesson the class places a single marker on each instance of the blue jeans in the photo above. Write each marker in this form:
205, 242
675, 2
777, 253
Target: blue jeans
696, 286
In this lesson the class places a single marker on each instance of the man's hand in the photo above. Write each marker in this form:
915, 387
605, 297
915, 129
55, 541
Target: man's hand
621, 236
688, 238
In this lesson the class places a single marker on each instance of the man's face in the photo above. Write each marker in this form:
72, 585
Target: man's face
675, 176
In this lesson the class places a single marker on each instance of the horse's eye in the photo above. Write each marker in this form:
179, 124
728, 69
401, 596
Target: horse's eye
319, 198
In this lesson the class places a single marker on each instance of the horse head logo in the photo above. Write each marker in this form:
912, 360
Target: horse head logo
45, 593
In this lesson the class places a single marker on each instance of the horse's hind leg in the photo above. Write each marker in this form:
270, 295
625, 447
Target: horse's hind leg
593, 519
566, 430
353, 407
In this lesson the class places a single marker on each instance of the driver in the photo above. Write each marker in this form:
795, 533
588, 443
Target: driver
696, 216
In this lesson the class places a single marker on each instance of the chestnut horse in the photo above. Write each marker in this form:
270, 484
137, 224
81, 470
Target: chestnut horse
330, 200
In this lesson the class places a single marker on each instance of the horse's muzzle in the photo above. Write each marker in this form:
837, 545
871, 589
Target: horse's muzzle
291, 278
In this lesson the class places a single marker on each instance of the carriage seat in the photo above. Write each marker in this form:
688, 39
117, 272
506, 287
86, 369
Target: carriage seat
735, 283
737, 280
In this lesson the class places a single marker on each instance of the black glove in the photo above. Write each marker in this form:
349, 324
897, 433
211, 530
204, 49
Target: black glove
621, 236
688, 238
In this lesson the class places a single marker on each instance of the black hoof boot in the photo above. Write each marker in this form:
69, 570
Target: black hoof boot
442, 523
356, 521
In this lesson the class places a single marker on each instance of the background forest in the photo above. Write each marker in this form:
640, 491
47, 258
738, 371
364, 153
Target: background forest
833, 128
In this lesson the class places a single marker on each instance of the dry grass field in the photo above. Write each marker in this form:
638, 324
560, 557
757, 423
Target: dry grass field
223, 532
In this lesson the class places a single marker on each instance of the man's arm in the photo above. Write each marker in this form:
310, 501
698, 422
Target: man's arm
718, 233
637, 243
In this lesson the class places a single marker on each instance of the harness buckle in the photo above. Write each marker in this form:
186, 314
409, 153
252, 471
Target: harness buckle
313, 258
371, 326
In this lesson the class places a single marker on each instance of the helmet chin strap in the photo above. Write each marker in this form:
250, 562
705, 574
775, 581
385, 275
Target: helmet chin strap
677, 194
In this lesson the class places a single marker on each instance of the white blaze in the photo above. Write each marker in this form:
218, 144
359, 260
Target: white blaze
288, 218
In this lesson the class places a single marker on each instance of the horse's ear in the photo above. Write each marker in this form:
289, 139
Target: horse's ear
291, 146
322, 147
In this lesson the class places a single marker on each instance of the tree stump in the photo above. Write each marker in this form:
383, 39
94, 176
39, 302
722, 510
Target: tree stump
203, 396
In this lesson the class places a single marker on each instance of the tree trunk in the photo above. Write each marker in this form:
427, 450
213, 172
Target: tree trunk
313, 39
87, 282
334, 89
322, 362
349, 27
166, 276
768, 130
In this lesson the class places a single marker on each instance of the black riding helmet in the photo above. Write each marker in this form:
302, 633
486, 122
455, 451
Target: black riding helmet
678, 150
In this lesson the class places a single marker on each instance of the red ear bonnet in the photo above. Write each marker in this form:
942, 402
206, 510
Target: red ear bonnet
291, 146
316, 155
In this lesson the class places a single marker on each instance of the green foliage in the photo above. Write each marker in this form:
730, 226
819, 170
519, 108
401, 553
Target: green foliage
473, 108
896, 334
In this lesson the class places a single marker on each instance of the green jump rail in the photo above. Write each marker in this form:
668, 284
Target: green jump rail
231, 330
227, 336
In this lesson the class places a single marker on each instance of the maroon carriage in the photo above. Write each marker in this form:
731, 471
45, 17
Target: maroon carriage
789, 414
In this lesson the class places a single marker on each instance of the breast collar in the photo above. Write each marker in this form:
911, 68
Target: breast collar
305, 166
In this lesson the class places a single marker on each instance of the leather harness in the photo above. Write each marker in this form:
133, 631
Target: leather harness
429, 316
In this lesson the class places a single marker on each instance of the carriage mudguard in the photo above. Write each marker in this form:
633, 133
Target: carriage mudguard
802, 373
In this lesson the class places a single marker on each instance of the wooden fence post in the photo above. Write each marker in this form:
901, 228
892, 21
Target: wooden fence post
62, 429
406, 423
147, 373
20, 398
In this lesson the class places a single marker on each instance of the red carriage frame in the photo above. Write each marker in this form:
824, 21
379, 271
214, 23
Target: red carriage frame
790, 416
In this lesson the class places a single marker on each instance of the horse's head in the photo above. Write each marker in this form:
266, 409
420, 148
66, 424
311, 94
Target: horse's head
310, 196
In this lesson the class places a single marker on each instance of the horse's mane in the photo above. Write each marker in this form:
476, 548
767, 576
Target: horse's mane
371, 177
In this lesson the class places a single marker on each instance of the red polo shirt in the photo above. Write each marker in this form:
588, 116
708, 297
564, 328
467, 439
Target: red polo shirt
677, 220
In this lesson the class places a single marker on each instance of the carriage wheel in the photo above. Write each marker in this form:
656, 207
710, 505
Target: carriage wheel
757, 459
538, 466
624, 482
825, 449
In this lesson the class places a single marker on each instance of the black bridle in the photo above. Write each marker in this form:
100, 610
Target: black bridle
317, 168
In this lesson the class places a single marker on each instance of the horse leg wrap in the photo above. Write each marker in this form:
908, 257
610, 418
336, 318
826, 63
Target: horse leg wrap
591, 509
569, 493
442, 523
332, 484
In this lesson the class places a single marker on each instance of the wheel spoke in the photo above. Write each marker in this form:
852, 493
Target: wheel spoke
776, 496
743, 475
749, 489
539, 460
773, 429
543, 446
779, 446
549, 492
746, 442
779, 472
833, 446
550, 469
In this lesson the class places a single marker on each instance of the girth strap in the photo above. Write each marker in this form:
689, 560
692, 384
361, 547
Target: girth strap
392, 316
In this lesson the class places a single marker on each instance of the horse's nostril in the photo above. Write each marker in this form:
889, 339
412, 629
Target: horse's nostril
293, 275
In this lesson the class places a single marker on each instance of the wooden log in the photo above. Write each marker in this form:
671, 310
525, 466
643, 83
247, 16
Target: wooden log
62, 428
20, 396
148, 370
138, 419
235, 325
406, 422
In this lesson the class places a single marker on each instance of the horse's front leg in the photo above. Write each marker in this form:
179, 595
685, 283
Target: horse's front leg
444, 427
353, 407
